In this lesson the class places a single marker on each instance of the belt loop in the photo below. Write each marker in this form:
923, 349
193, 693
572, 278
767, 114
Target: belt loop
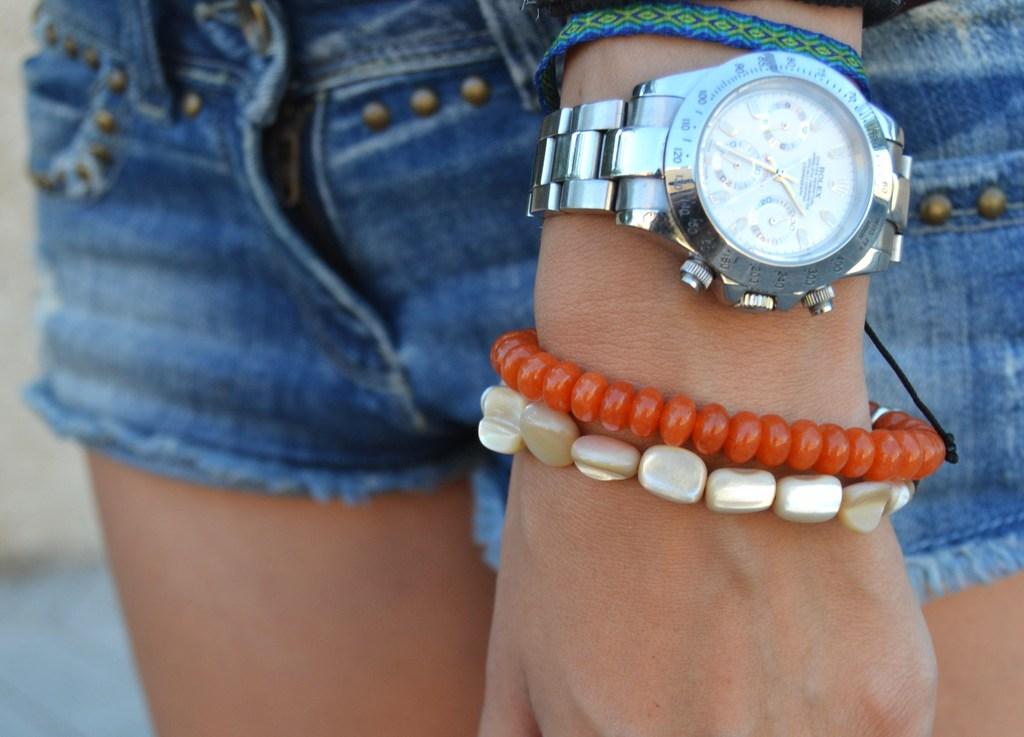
523, 37
138, 37
263, 26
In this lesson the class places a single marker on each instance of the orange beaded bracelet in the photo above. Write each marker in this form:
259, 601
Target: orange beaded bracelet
898, 446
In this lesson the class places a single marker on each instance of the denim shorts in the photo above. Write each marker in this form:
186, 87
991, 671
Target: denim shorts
277, 239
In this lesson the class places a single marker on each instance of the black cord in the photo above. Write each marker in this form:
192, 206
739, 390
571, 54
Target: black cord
947, 437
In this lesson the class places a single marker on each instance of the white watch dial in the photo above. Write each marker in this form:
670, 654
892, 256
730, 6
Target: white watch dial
783, 172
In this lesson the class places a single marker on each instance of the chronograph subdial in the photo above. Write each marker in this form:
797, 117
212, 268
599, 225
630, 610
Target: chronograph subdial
773, 221
785, 124
735, 165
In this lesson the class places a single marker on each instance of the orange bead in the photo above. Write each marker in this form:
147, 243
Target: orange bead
806, 447
558, 384
513, 360
498, 342
890, 420
503, 345
887, 456
835, 450
933, 450
911, 423
911, 455
775, 441
532, 373
744, 437
862, 452
587, 395
647, 405
616, 406
917, 424
677, 420
710, 429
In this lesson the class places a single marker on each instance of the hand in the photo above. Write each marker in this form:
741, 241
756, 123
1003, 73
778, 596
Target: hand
621, 614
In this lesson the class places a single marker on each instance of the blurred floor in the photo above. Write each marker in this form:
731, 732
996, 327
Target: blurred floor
65, 669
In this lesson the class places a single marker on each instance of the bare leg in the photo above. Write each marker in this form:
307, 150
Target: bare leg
252, 615
979, 643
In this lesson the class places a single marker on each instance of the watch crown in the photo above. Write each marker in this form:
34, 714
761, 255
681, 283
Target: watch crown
695, 274
756, 302
819, 301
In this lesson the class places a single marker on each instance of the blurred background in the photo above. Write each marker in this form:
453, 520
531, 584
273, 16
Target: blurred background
65, 668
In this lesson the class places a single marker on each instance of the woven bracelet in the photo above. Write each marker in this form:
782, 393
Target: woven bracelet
696, 22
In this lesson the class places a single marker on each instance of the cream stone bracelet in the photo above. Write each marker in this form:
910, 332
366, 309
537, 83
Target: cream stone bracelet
510, 423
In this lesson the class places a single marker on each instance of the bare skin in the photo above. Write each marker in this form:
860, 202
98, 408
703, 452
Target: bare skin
251, 615
267, 616
224, 644
979, 643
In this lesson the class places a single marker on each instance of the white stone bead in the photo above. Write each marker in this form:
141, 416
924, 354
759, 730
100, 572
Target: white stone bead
605, 459
483, 398
676, 474
548, 434
499, 436
499, 428
736, 490
863, 505
902, 493
500, 401
808, 498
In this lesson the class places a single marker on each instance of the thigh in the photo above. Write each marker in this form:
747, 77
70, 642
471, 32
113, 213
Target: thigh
979, 644
258, 615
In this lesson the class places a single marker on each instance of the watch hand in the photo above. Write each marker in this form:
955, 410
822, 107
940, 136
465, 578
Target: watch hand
769, 167
790, 192
751, 159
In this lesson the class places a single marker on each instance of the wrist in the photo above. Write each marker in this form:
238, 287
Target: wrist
607, 298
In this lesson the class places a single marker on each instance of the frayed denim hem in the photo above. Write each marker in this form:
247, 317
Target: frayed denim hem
170, 456
947, 571
490, 492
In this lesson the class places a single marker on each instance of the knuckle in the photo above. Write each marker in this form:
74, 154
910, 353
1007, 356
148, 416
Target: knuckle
901, 704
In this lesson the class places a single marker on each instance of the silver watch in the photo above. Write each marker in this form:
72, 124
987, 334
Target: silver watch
772, 171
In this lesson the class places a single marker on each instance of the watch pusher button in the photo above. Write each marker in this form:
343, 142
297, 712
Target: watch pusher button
695, 274
819, 301
756, 302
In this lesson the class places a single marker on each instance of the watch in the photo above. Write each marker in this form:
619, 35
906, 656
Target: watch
772, 172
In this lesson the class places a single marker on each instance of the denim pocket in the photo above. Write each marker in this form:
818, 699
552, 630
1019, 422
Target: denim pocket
430, 197
76, 106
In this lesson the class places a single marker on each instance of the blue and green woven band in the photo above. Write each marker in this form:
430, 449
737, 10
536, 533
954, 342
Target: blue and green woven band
698, 22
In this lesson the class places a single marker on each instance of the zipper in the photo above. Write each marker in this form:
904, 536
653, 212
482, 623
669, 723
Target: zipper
289, 160
283, 151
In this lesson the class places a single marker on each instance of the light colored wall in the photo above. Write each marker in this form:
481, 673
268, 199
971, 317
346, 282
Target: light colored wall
45, 508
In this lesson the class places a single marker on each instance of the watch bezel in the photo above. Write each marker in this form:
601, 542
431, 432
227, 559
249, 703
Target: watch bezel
703, 94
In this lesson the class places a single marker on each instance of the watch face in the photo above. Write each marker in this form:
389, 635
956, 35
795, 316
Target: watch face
783, 172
